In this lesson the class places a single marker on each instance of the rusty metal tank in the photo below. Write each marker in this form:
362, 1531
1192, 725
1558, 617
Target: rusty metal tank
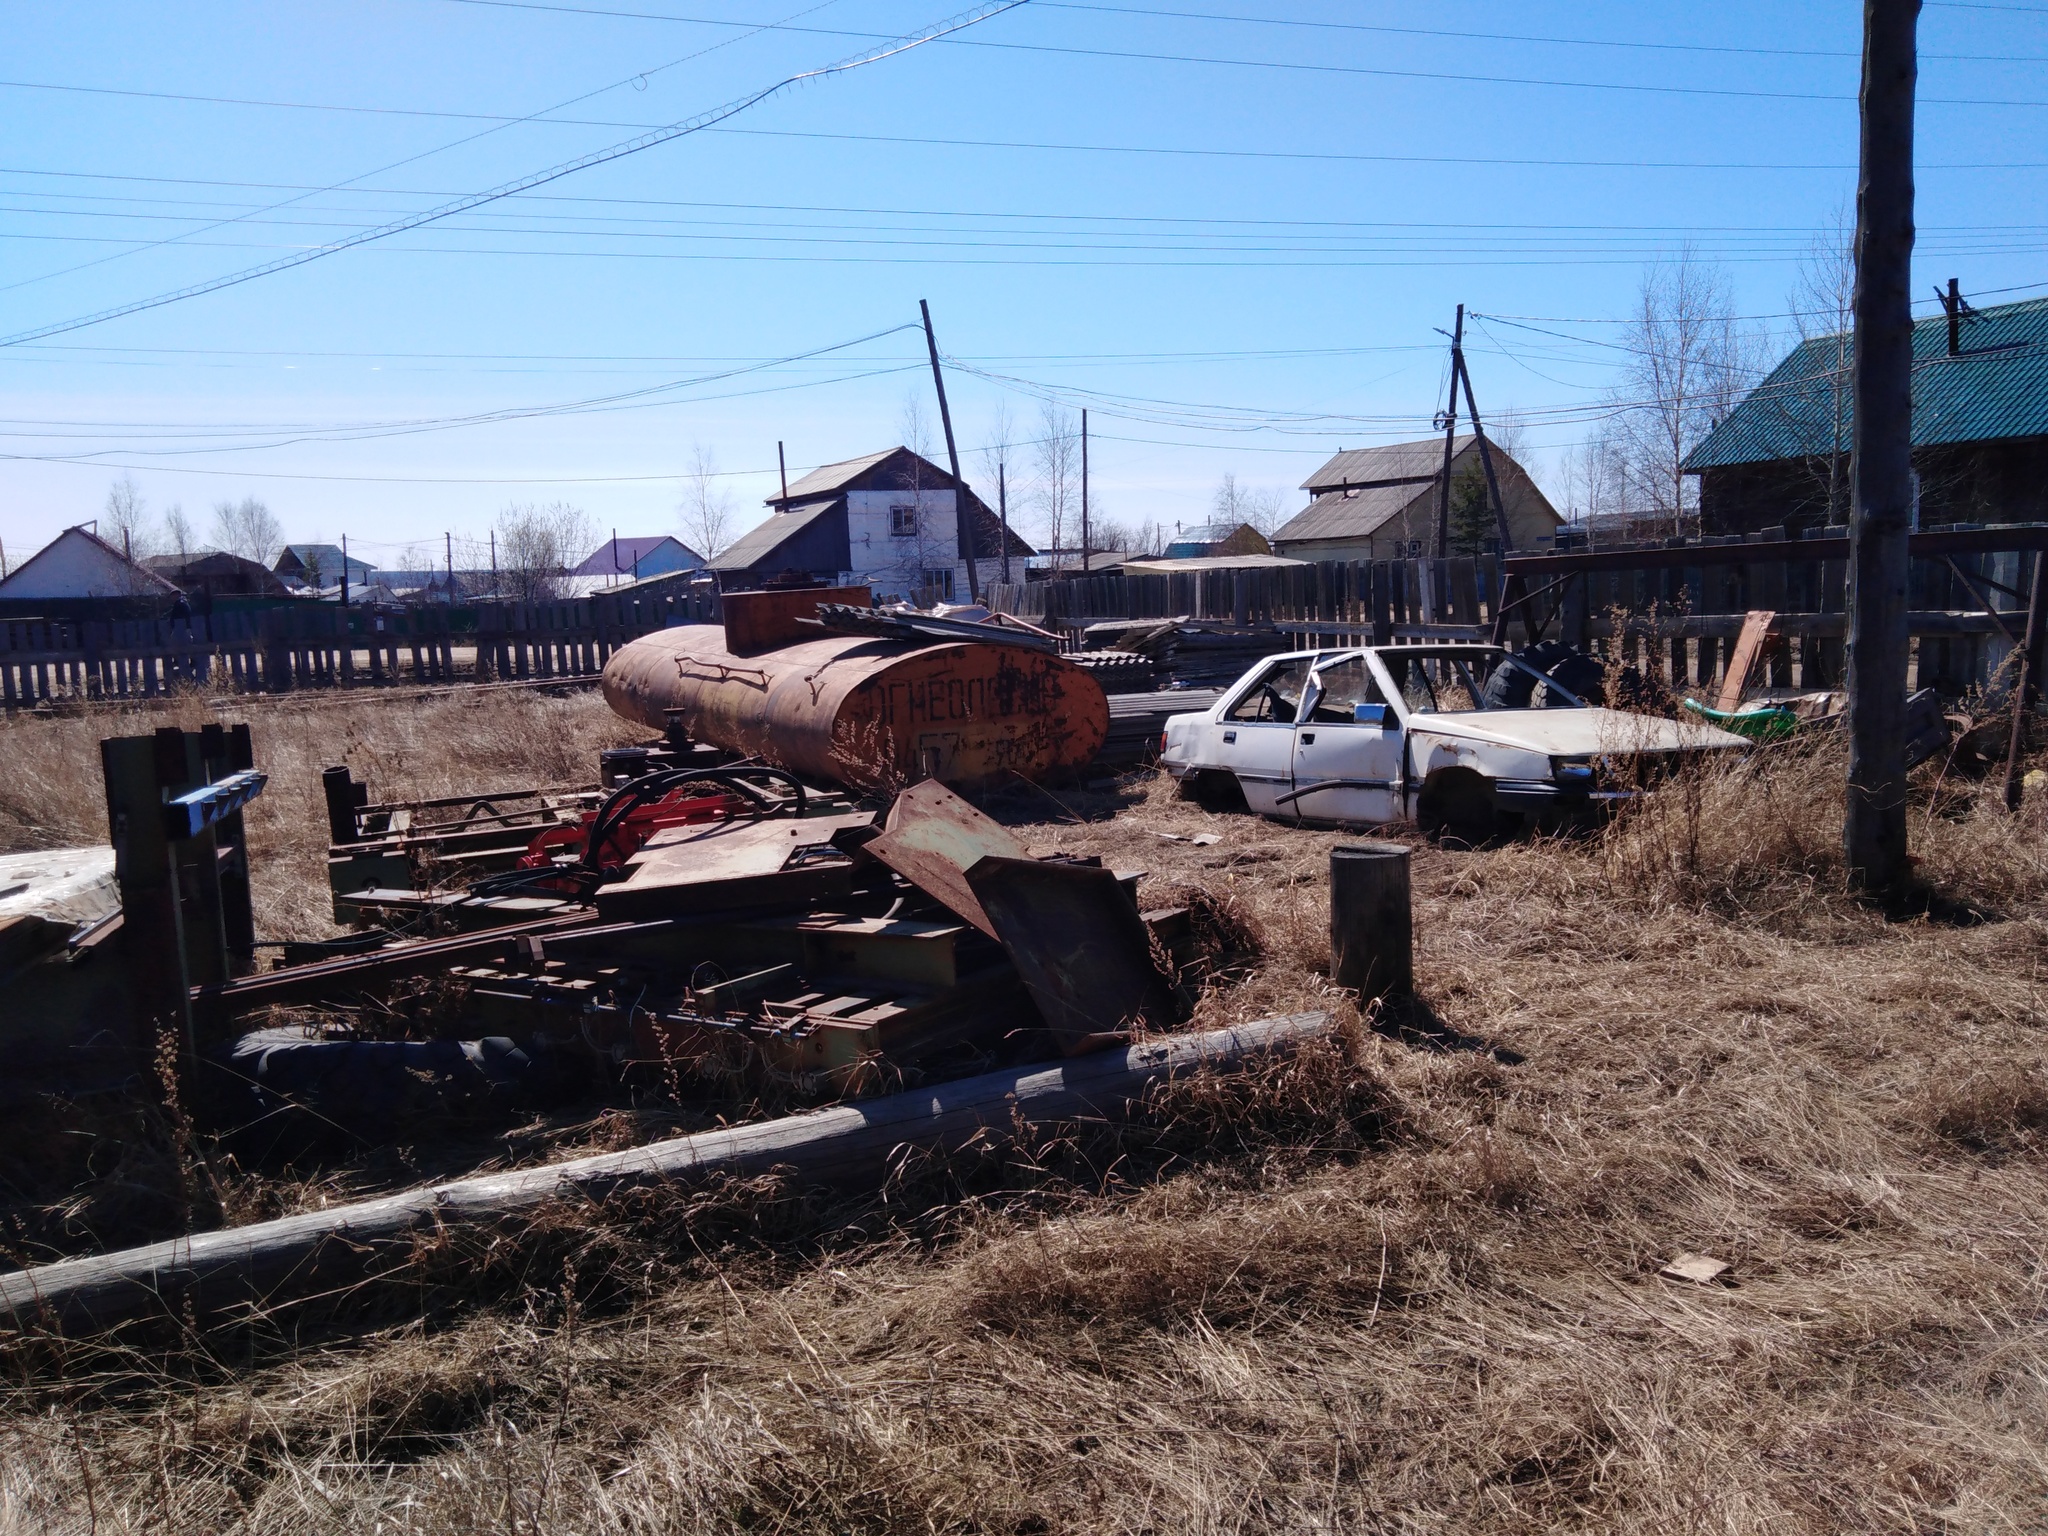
860, 710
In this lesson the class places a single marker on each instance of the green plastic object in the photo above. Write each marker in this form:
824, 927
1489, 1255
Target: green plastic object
1764, 722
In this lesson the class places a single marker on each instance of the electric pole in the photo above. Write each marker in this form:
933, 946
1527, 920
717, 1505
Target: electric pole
448, 542
344, 570
1881, 451
1003, 514
963, 514
1450, 424
1084, 491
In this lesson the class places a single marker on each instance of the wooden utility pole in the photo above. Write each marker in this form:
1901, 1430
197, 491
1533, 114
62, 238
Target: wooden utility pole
344, 568
1881, 448
1084, 491
1003, 514
782, 464
1500, 511
963, 514
1443, 492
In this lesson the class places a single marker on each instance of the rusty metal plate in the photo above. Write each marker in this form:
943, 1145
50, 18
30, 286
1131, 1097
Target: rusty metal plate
933, 837
1075, 937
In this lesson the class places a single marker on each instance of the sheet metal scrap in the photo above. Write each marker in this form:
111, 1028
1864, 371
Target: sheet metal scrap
1072, 930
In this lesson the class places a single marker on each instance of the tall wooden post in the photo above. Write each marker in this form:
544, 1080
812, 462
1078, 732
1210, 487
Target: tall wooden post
1881, 491
1084, 490
963, 514
1443, 491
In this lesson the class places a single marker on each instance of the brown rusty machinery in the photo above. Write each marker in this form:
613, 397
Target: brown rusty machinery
834, 695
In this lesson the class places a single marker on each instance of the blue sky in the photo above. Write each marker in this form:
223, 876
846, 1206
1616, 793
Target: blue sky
1088, 199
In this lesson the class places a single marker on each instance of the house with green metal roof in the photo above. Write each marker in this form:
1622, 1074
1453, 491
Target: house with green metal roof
1980, 429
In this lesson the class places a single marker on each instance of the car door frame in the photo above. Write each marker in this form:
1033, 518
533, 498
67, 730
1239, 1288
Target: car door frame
1392, 803
1265, 792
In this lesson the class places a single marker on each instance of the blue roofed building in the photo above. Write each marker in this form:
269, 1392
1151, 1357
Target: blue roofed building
1980, 429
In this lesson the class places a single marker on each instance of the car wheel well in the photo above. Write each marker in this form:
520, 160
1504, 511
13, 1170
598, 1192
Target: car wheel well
1458, 805
1215, 790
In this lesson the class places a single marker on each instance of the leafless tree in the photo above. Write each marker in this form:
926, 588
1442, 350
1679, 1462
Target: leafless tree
178, 530
1057, 483
707, 509
247, 528
537, 545
1689, 361
1264, 507
1820, 302
1594, 492
126, 523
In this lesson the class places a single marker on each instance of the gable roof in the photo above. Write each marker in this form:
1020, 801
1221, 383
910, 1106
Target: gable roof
623, 557
1353, 514
757, 545
1388, 464
827, 478
1996, 388
78, 563
298, 557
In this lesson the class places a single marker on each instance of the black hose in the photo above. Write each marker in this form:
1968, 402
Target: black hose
651, 786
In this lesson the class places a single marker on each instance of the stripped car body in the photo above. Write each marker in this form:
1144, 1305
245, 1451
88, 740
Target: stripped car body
1379, 734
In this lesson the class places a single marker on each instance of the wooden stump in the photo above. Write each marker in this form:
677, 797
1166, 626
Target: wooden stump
1372, 931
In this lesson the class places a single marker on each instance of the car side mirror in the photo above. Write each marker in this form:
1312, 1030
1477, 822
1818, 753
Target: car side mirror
1375, 714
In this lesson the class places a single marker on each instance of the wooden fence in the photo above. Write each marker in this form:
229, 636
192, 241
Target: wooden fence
1674, 608
321, 645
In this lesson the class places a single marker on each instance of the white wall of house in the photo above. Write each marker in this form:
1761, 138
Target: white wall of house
898, 542
74, 566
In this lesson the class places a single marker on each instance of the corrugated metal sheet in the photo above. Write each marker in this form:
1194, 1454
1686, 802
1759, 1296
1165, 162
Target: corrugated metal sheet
1798, 412
1352, 514
1381, 466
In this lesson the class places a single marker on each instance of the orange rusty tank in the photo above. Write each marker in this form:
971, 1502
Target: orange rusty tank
861, 711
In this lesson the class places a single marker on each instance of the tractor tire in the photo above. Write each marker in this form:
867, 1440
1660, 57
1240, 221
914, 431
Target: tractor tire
1511, 688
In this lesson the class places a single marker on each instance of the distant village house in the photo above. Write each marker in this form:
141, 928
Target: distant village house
893, 521
1980, 429
1383, 503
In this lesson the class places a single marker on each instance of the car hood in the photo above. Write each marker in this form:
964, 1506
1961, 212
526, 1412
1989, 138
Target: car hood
1577, 732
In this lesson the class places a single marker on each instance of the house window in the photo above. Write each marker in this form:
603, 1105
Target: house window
903, 521
940, 584
1415, 549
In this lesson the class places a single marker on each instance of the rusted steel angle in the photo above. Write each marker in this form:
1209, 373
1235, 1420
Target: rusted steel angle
358, 974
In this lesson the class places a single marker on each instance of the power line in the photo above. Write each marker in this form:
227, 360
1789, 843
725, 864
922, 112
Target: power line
1277, 21
409, 159
538, 178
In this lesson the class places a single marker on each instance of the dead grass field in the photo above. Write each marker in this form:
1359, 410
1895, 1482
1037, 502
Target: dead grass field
1401, 1287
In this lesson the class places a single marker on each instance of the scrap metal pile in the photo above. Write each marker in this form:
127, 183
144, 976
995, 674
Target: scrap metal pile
716, 911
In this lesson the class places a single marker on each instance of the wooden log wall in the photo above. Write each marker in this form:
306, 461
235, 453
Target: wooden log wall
1679, 623
322, 645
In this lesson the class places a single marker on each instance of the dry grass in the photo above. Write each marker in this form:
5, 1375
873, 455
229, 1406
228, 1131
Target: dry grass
1403, 1289
50, 796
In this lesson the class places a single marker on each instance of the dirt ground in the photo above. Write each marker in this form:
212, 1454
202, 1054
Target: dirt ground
1408, 1285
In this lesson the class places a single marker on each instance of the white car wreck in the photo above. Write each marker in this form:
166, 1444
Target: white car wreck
1400, 732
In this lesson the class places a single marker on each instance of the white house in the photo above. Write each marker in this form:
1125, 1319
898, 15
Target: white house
891, 520
77, 564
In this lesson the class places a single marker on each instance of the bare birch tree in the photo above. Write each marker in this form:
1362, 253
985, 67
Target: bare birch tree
1234, 502
1820, 303
247, 528
537, 545
125, 523
707, 509
178, 535
1057, 488
1689, 361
